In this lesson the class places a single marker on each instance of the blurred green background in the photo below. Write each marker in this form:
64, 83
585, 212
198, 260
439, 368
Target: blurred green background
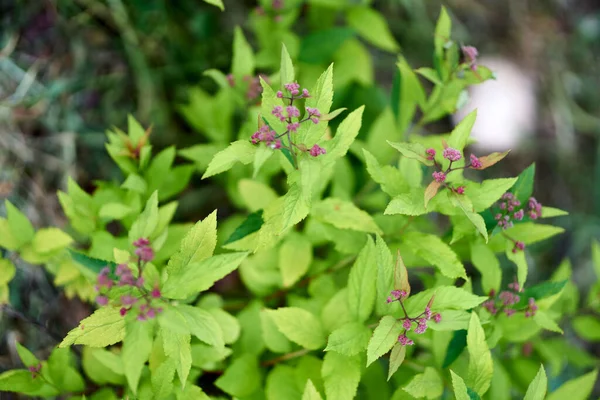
70, 69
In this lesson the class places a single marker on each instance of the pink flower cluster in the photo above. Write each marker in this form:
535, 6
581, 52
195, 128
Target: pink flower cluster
267, 135
35, 370
143, 249
511, 209
475, 162
407, 322
293, 89
430, 154
439, 176
317, 150
452, 154
506, 301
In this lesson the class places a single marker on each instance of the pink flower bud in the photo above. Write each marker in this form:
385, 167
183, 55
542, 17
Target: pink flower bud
293, 127
102, 300
421, 327
279, 94
452, 154
128, 300
317, 150
406, 324
460, 190
123, 311
305, 93
470, 53
519, 215
437, 318
145, 253
141, 242
439, 177
155, 293
430, 153
293, 88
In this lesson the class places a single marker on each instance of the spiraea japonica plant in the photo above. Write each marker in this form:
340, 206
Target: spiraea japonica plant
374, 264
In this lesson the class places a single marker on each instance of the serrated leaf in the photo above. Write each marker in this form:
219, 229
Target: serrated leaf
93, 264
300, 326
344, 215
114, 211
396, 359
135, 351
197, 245
428, 384
350, 339
341, 375
295, 257
47, 240
177, 348
372, 27
481, 367
446, 298
545, 321
587, 327
103, 328
310, 392
20, 227
491, 159
523, 188
384, 337
460, 134
483, 195
345, 135
286, 72
432, 249
216, 3
575, 389
241, 151
145, 224
520, 261
256, 195
242, 63
537, 388
413, 150
26, 356
321, 99
408, 95
487, 264
361, 283
198, 277
250, 225
460, 388
241, 378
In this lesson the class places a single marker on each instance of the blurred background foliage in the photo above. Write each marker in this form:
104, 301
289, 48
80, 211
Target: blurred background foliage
70, 69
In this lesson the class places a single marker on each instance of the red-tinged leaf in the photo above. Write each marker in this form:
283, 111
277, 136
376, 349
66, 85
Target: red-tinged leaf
445, 144
401, 275
332, 115
431, 191
491, 159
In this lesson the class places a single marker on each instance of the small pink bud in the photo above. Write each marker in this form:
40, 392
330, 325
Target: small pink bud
406, 324
123, 311
292, 111
145, 253
305, 93
437, 318
141, 242
430, 153
470, 53
102, 300
460, 190
317, 150
128, 300
439, 177
155, 293
279, 94
452, 154
519, 215
475, 162
509, 312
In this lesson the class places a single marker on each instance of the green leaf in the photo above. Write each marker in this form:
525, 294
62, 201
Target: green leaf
341, 375
242, 63
300, 326
483, 195
459, 386
250, 225
344, 215
241, 151
587, 327
391, 179
47, 240
282, 384
537, 388
197, 245
103, 328
396, 359
350, 339
273, 338
545, 321
443, 29
460, 134
432, 249
295, 257
145, 224
114, 211
384, 338
135, 351
362, 283
134, 183
446, 298
527, 232
200, 323
523, 188
387, 276
228, 323
430, 74
520, 261
455, 347
408, 203
216, 3
575, 389
412, 150
318, 47
344, 136
310, 392
464, 203
198, 277
321, 99
256, 195
549, 212
20, 227
286, 73
62, 373
7, 271
20, 381
162, 378
428, 384
431, 191
177, 347
93, 264
7, 239
481, 366
26, 356
487, 264
372, 27
410, 95
241, 378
